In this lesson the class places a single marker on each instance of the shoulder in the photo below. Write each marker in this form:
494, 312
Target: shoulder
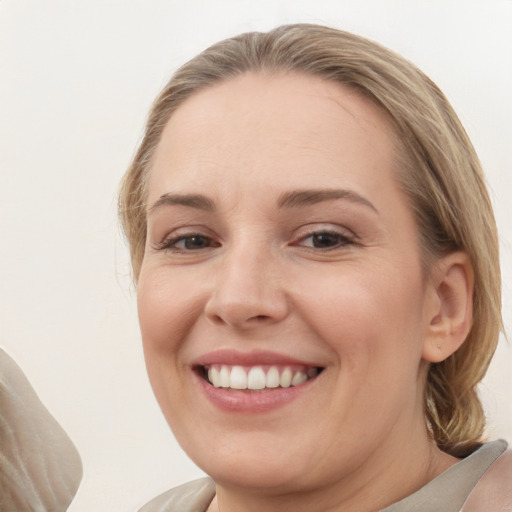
493, 492
193, 496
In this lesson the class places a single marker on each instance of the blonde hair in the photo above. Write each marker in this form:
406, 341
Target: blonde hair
439, 171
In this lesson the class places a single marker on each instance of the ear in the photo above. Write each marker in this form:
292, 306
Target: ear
450, 312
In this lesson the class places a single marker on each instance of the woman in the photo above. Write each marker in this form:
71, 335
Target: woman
318, 280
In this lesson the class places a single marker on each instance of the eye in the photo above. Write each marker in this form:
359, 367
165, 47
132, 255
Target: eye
325, 240
184, 243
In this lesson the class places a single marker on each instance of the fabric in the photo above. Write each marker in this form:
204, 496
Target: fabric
494, 490
480, 483
40, 468
193, 496
449, 491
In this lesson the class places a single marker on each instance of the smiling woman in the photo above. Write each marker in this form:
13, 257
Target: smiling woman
318, 280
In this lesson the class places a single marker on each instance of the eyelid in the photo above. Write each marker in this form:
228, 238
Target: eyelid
347, 237
324, 227
169, 241
181, 233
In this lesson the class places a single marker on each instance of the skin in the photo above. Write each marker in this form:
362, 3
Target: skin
256, 278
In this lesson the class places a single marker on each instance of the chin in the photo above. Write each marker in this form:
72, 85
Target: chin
250, 472
266, 463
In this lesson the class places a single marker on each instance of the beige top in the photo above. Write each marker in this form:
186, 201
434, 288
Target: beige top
481, 482
40, 468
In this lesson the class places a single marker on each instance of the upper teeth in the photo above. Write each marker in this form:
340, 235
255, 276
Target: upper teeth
257, 377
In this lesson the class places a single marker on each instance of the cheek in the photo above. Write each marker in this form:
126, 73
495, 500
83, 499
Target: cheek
373, 325
165, 315
165, 310
368, 318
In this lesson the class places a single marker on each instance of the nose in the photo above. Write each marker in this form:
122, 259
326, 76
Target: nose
249, 291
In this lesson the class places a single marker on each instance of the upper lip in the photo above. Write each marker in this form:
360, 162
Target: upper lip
254, 358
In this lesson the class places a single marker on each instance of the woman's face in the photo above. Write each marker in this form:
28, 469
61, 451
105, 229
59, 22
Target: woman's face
282, 256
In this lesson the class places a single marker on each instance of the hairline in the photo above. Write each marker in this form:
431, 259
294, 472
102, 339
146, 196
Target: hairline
401, 162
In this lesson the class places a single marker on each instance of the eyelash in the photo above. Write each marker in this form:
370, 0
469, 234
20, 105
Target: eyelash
343, 240
171, 244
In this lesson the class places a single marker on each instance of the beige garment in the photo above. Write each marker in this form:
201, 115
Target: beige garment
480, 483
494, 490
450, 491
193, 496
40, 468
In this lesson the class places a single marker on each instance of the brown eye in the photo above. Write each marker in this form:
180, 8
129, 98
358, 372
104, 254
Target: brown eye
325, 240
193, 242
185, 243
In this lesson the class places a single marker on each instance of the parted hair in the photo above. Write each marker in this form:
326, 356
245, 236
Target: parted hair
438, 169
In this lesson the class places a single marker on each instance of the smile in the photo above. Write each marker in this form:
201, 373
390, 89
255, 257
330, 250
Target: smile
258, 378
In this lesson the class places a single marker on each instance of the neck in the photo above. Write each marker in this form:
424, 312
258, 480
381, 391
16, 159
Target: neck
375, 484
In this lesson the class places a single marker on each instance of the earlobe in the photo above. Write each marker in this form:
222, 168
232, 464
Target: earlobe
449, 319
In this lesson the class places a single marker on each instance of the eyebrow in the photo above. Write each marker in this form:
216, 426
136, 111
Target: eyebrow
292, 199
298, 198
197, 201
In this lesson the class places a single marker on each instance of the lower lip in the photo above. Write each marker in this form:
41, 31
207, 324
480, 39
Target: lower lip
247, 401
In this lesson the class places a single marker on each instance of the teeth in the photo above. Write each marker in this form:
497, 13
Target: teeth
255, 378
224, 377
272, 380
213, 376
299, 378
238, 378
286, 378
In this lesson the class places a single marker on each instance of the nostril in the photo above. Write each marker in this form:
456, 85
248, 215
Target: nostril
217, 319
251, 321
244, 310
258, 320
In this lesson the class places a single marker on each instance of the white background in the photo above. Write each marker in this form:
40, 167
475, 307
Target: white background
76, 80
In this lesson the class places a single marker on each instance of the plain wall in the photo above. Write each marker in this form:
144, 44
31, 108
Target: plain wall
76, 81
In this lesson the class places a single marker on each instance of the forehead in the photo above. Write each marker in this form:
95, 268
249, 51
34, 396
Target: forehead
289, 126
